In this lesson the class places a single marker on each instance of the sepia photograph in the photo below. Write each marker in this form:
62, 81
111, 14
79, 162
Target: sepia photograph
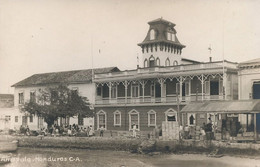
112, 83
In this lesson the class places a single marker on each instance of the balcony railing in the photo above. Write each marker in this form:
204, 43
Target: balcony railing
171, 69
168, 99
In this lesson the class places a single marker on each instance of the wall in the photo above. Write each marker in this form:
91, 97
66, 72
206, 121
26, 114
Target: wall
11, 124
162, 55
246, 79
86, 90
143, 116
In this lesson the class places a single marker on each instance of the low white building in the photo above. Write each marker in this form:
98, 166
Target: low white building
249, 79
29, 89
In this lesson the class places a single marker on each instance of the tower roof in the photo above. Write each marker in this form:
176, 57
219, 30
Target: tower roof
161, 20
161, 29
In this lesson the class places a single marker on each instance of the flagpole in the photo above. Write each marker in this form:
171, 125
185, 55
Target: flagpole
223, 61
92, 66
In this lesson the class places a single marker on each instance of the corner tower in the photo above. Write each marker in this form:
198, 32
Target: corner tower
161, 46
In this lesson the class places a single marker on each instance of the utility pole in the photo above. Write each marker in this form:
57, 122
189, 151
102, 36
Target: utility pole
178, 112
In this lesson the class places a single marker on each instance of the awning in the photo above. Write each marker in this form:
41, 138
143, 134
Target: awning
238, 106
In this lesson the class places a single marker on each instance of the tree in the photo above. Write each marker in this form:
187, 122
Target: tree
60, 101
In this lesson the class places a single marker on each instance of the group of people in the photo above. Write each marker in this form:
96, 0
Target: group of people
25, 130
56, 130
71, 130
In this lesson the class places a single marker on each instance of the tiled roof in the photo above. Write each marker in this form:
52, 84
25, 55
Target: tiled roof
250, 62
77, 76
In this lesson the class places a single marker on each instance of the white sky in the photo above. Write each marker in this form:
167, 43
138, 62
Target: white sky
55, 35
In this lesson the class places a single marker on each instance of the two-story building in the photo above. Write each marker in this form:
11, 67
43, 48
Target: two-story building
164, 83
29, 89
235, 118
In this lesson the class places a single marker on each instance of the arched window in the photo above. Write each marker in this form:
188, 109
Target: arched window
134, 119
171, 115
175, 63
167, 62
101, 119
157, 61
151, 61
145, 63
191, 119
169, 36
117, 118
152, 34
151, 118
173, 37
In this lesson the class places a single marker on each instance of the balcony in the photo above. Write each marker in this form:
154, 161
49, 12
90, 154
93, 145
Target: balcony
158, 100
171, 70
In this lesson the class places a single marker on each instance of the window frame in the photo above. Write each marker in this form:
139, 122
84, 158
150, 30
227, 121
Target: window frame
152, 59
8, 117
145, 63
158, 61
149, 118
137, 90
152, 34
31, 119
80, 120
167, 62
21, 97
33, 98
188, 119
117, 112
16, 119
113, 91
171, 110
134, 112
98, 115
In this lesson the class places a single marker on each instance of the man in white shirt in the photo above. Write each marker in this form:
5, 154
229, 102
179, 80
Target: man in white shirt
134, 130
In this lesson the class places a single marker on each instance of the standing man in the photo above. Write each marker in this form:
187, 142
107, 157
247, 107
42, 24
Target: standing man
101, 131
134, 130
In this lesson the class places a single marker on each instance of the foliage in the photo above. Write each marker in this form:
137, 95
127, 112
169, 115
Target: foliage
60, 101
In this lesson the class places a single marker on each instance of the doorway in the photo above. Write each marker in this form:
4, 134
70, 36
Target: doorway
256, 95
214, 88
157, 90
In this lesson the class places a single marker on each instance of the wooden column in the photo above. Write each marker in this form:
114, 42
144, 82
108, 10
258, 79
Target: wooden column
126, 85
110, 90
202, 87
181, 81
143, 85
255, 126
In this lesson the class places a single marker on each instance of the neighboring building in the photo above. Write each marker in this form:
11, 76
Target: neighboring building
249, 79
150, 94
249, 87
6, 100
7, 111
239, 118
29, 88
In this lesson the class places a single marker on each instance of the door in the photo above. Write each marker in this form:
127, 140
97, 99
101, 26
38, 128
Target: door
256, 95
214, 88
24, 120
158, 93
157, 90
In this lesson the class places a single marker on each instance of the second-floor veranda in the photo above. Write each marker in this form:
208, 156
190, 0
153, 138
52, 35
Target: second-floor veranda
186, 83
